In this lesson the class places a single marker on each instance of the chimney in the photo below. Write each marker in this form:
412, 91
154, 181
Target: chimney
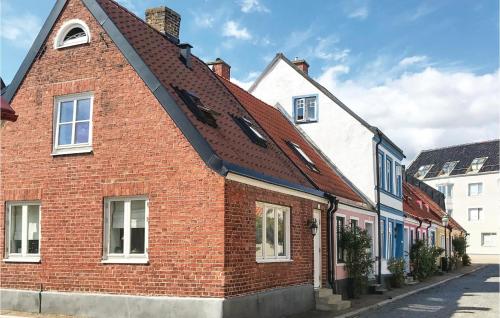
165, 20
185, 51
220, 68
302, 65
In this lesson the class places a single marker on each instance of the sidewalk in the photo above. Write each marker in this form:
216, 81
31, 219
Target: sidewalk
370, 301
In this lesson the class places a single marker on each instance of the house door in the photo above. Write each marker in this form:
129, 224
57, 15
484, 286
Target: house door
317, 251
406, 239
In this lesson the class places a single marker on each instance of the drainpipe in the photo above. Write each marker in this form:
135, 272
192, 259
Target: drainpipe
333, 204
379, 241
450, 228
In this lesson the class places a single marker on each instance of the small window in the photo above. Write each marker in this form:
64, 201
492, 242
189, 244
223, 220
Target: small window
73, 128
389, 176
126, 230
302, 155
422, 171
433, 238
251, 130
399, 179
23, 232
382, 238
354, 223
306, 109
489, 239
199, 110
446, 189
72, 32
341, 251
475, 214
477, 164
448, 168
272, 232
381, 170
475, 189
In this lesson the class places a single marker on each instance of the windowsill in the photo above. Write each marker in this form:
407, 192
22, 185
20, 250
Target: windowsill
125, 261
306, 122
21, 259
264, 261
72, 150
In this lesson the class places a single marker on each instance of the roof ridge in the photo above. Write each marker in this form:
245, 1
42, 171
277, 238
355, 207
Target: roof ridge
460, 145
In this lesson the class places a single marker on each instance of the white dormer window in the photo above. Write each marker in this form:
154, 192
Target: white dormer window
422, 171
477, 164
72, 32
448, 168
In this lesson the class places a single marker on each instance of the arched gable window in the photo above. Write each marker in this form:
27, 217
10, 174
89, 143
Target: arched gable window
72, 32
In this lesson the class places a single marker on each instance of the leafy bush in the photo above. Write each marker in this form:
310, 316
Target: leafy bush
466, 260
397, 266
423, 259
459, 246
358, 261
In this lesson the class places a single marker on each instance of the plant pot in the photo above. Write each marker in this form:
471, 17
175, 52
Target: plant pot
351, 288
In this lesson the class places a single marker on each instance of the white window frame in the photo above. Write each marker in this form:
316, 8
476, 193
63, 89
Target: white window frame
303, 103
420, 172
479, 214
126, 257
22, 257
372, 237
336, 240
448, 189
479, 191
64, 30
493, 241
72, 148
450, 166
477, 162
286, 214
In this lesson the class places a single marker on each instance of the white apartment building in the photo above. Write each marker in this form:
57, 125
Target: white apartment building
468, 176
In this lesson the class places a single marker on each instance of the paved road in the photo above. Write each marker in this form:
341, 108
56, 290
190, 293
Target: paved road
473, 295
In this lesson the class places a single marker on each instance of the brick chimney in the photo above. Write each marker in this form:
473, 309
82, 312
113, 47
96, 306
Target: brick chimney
221, 68
165, 20
302, 65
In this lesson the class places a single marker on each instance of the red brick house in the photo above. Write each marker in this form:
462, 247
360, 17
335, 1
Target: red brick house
134, 182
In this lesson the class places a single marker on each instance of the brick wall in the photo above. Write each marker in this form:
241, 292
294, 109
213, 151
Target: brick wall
243, 274
137, 151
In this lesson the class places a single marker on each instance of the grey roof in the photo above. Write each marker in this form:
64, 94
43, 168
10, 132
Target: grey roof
325, 91
464, 154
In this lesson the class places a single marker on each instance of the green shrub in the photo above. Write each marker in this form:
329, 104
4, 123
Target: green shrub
397, 268
358, 260
423, 259
466, 260
459, 245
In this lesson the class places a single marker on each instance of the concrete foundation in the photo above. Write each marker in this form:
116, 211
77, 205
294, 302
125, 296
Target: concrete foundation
272, 303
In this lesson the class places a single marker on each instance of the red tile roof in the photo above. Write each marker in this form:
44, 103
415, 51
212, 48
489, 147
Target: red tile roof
281, 130
228, 141
6, 112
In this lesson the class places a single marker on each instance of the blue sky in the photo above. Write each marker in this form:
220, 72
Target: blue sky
355, 47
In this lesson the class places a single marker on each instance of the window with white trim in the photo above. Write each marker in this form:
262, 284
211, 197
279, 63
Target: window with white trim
477, 164
23, 231
448, 168
73, 124
489, 239
302, 155
399, 179
446, 189
306, 109
72, 32
126, 229
423, 171
475, 214
272, 232
475, 189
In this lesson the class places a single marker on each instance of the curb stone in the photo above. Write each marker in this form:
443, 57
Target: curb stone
398, 297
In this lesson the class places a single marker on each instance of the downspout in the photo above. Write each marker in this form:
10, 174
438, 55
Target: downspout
379, 241
333, 204
450, 229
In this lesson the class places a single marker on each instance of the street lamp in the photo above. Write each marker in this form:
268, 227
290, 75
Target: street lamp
313, 226
445, 220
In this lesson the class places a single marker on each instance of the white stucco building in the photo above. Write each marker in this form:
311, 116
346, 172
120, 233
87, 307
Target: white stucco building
345, 138
468, 175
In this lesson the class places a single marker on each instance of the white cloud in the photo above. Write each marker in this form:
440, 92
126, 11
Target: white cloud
248, 6
324, 49
360, 13
424, 109
204, 20
247, 82
410, 60
233, 29
21, 30
297, 38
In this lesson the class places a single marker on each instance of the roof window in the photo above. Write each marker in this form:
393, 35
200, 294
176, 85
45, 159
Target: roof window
448, 168
72, 32
310, 164
477, 164
422, 171
249, 128
200, 111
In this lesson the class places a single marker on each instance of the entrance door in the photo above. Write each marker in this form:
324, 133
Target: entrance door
317, 251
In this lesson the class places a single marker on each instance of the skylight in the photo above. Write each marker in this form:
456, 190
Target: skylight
200, 111
448, 168
422, 171
251, 131
303, 156
477, 164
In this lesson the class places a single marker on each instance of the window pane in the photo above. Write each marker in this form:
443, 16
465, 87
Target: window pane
65, 134
258, 232
82, 133
270, 248
137, 226
281, 233
66, 112
117, 225
33, 229
16, 223
311, 108
83, 109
